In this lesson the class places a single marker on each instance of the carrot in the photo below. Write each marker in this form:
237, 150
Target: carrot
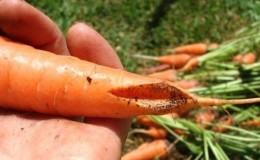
158, 68
238, 58
154, 132
36, 80
212, 46
252, 123
225, 120
187, 84
168, 75
148, 150
205, 115
146, 121
191, 49
191, 64
248, 58
175, 60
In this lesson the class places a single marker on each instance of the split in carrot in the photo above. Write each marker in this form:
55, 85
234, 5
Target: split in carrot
36, 80
149, 150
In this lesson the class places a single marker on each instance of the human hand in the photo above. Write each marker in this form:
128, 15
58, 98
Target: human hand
35, 136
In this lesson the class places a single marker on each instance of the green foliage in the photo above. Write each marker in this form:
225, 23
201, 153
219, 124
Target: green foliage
125, 24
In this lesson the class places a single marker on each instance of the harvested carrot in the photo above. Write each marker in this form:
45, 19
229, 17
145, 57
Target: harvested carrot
225, 120
158, 68
248, 58
175, 60
212, 46
149, 150
168, 75
191, 49
154, 132
190, 65
36, 80
187, 84
252, 123
146, 121
238, 58
205, 115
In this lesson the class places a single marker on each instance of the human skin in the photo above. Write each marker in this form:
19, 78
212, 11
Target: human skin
35, 136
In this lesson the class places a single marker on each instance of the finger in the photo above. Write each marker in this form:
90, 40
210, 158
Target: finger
85, 43
22, 22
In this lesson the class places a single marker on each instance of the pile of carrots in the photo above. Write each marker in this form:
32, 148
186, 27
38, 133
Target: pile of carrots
179, 59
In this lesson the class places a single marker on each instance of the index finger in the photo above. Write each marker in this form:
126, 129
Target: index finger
22, 22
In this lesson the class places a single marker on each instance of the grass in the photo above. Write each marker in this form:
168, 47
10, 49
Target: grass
149, 27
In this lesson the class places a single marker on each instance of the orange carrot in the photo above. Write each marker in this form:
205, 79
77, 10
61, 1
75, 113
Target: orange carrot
205, 115
190, 65
154, 132
191, 49
36, 80
148, 150
168, 75
247, 58
175, 60
158, 68
225, 120
252, 123
212, 46
146, 121
238, 58
187, 84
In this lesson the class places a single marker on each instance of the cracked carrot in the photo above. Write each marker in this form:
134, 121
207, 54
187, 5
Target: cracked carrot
40, 81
